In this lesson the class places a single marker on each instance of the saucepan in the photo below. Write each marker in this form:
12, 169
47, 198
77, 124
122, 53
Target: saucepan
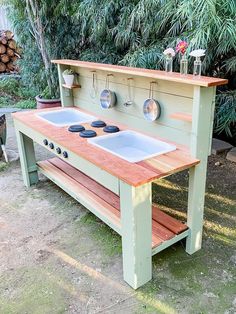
107, 97
151, 107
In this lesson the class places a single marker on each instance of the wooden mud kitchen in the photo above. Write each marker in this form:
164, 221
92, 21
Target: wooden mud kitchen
120, 129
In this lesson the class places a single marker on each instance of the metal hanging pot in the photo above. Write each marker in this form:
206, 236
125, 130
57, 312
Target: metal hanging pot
107, 97
151, 107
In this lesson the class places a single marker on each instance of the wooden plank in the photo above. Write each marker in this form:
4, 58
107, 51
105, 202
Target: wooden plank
132, 173
94, 203
181, 116
166, 220
99, 190
122, 80
170, 242
156, 74
169, 163
164, 227
71, 87
161, 232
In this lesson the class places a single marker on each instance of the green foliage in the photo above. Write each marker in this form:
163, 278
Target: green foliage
225, 115
14, 94
26, 104
10, 86
69, 72
132, 33
45, 94
6, 101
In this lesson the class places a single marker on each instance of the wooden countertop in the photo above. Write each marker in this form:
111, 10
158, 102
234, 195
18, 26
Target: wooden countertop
134, 174
204, 81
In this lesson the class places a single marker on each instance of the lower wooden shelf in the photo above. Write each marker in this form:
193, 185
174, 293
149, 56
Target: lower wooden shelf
105, 204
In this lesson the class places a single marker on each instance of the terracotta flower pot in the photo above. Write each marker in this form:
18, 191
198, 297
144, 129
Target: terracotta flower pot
47, 103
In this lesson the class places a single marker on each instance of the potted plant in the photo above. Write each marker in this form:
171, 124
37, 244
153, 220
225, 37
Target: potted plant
45, 100
69, 77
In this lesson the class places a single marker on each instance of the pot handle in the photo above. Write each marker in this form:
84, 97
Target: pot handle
108, 81
151, 89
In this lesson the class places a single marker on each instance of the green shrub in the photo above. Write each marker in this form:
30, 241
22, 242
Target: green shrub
14, 94
9, 86
225, 114
6, 101
26, 104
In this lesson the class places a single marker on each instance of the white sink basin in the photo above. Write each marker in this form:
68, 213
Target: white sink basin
64, 117
131, 146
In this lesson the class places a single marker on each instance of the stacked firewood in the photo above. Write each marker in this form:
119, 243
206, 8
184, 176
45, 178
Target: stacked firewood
9, 52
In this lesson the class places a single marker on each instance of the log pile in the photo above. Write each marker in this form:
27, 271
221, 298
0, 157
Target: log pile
9, 52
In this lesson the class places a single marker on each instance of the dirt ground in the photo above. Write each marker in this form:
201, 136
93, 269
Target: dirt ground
56, 257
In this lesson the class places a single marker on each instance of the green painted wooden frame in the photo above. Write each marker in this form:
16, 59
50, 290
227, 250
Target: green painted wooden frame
135, 204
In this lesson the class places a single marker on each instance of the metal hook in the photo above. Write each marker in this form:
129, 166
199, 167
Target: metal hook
129, 101
151, 89
107, 80
94, 87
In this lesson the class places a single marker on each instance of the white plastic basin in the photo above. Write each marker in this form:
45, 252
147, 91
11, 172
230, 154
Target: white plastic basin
131, 146
65, 117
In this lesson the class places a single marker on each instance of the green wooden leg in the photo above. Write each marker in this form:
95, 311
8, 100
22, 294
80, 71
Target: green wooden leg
136, 224
196, 196
203, 106
27, 159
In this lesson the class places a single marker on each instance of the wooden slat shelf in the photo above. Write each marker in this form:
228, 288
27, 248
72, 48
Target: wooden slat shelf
181, 116
152, 74
71, 87
104, 203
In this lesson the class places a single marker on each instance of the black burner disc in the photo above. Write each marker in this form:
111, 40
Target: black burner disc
76, 128
98, 124
87, 133
111, 129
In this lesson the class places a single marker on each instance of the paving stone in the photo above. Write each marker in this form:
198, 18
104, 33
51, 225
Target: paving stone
219, 146
9, 110
232, 155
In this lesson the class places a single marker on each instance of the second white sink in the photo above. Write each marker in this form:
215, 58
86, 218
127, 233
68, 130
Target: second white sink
131, 146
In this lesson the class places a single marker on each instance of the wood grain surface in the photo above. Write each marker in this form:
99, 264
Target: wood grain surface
155, 74
132, 173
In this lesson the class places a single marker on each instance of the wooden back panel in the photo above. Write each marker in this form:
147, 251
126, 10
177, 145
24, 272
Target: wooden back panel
173, 97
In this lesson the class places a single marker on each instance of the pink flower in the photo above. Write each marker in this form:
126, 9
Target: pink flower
181, 47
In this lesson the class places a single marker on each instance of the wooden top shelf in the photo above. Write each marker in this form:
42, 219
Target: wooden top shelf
204, 81
134, 174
